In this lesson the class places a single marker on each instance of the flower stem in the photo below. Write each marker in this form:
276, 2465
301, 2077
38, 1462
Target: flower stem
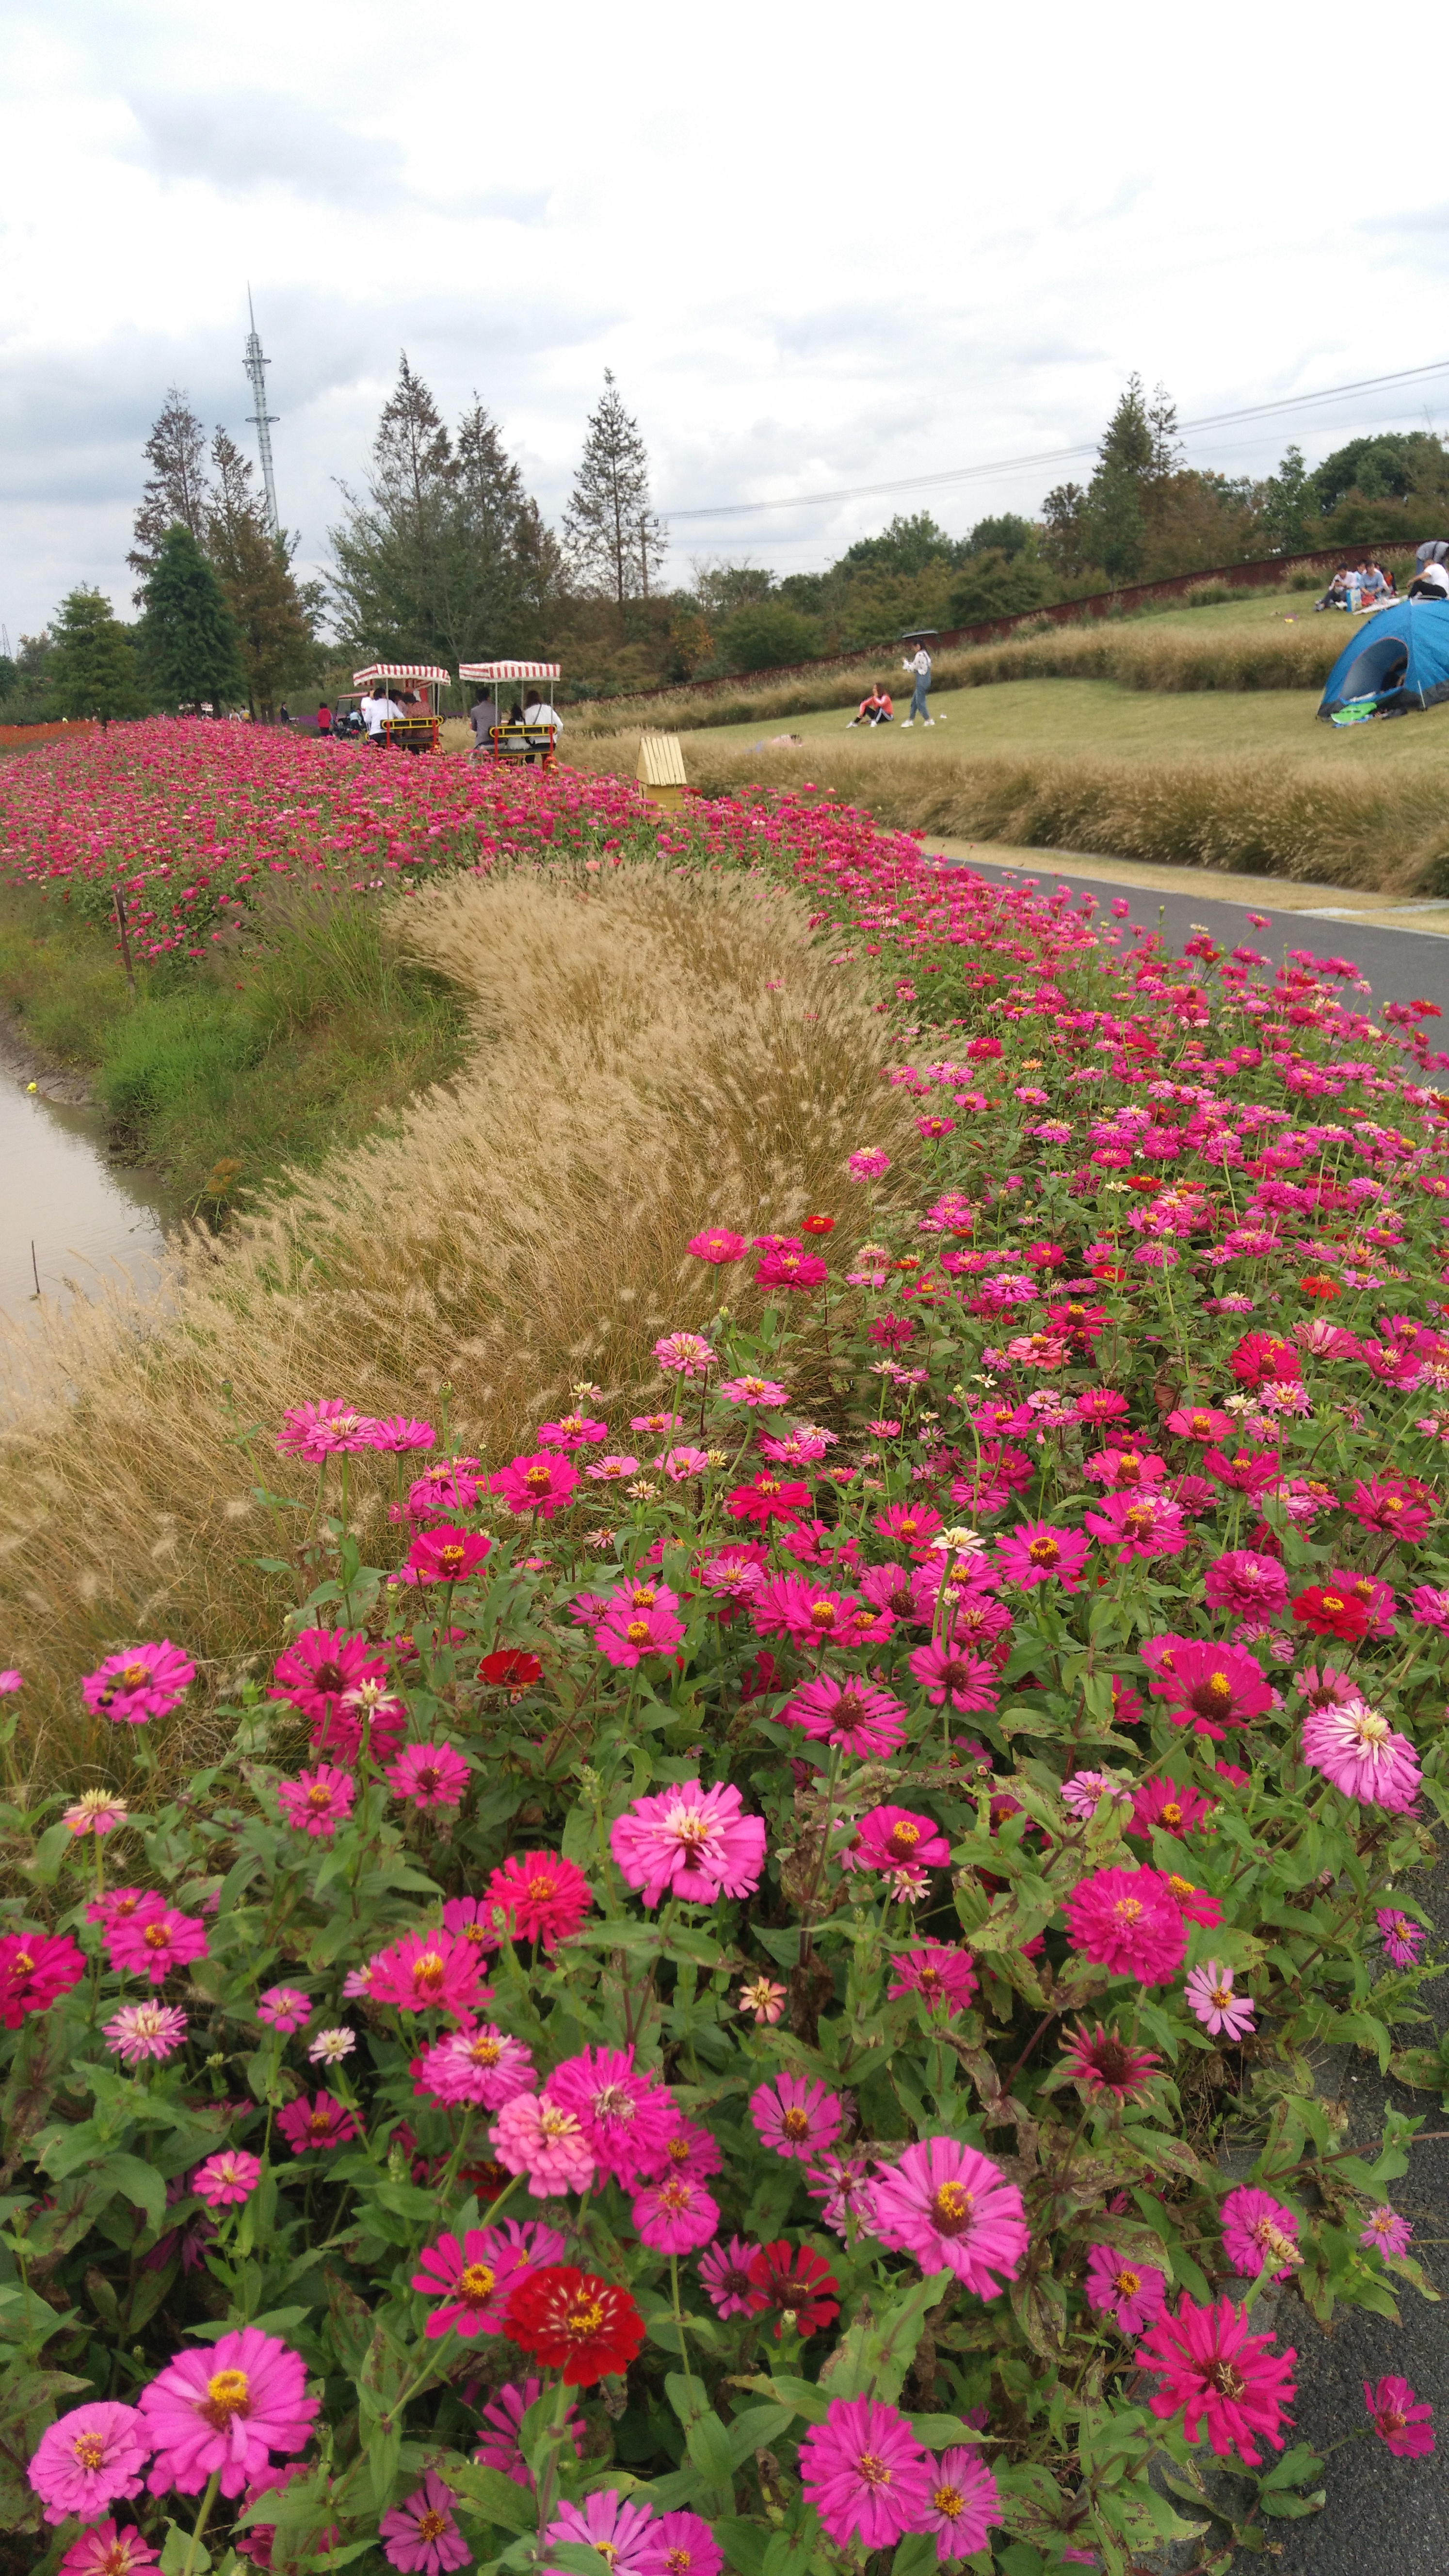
202, 2519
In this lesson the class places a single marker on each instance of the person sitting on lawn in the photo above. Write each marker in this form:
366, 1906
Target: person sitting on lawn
1431, 581
874, 710
1336, 595
1375, 587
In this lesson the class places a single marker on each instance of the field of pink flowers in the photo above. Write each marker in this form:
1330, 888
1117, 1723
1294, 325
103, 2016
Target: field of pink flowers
694, 2021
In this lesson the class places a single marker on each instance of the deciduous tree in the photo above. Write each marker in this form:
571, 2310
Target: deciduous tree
278, 648
176, 492
93, 660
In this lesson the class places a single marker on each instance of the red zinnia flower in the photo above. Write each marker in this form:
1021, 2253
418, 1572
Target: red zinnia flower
818, 1225
541, 1896
767, 1499
796, 2281
444, 1556
511, 1668
322, 2122
36, 1968
574, 2322
1321, 1288
1331, 1614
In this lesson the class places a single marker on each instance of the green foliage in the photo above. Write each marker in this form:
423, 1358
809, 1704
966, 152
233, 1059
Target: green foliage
1384, 467
907, 545
189, 640
997, 584
1008, 535
759, 639
93, 663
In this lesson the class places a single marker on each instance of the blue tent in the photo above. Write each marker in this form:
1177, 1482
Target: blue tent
1397, 662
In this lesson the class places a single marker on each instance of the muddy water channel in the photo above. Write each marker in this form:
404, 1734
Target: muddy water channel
70, 1219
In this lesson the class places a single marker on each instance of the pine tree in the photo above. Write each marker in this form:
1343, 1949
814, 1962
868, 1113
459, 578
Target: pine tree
189, 636
613, 537
175, 493
277, 645
93, 661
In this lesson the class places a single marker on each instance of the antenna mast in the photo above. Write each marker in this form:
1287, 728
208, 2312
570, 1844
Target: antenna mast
255, 364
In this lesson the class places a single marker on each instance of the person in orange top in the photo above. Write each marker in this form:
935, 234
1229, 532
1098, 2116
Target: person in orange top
874, 710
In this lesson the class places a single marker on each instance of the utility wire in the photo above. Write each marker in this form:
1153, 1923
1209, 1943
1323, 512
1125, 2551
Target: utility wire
1056, 455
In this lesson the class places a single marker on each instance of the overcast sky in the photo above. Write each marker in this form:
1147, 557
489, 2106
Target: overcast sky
819, 246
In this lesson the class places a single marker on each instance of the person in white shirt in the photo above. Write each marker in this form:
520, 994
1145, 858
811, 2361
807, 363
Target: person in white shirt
920, 663
538, 712
377, 712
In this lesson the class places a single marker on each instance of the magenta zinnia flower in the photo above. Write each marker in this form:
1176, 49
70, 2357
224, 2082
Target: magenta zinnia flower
1361, 1754
1256, 1587
1037, 1553
1258, 2232
471, 2281
625, 2533
317, 1802
444, 1556
1104, 2063
725, 2272
539, 1483
228, 2179
90, 2458
1141, 1524
944, 1979
1209, 1687
952, 2209
482, 2065
427, 1970
284, 2008
965, 2503
1125, 1920
695, 1842
221, 2413
717, 1245
539, 1896
502, 2419
1387, 2231
420, 2536
949, 1671
537, 2137
1215, 2373
895, 1838
155, 1940
322, 2122
865, 2473
105, 2551
790, 1605
1131, 2294
314, 1432
684, 1355
319, 1666
852, 1715
1403, 1938
687, 2545
637, 1622
764, 1391
675, 2216
1401, 2420
795, 2116
429, 1775
1165, 1806
146, 1681
36, 1969
627, 2119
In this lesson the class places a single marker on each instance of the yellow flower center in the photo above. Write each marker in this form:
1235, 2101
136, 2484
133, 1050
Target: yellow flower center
1172, 1813
484, 2051
949, 2501
157, 1936
1332, 1601
951, 2209
873, 2470
1126, 2284
1127, 1909
475, 2282
227, 2393
796, 2124
432, 2524
637, 1632
538, 1479
89, 2451
586, 2318
428, 1970
1043, 1551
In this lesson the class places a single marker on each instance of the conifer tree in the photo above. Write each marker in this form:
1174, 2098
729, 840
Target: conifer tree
613, 537
175, 492
93, 661
189, 636
276, 642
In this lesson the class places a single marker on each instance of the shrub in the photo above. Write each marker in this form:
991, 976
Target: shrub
764, 636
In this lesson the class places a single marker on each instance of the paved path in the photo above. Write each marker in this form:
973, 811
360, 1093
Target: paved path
1402, 950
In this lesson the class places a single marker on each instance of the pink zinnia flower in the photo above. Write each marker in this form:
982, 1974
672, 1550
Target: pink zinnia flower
533, 2136
1429, 1608
36, 1969
717, 1245
481, 2065
155, 1940
96, 1811
1210, 1996
1387, 2232
312, 2126
613, 1470
965, 2503
105, 2551
684, 1355
1403, 1938
427, 1970
1104, 2063
1141, 1524
1215, 2373
869, 1164
852, 1715
865, 2473
786, 1264
499, 2447
88, 2459
675, 2216
429, 1775
1257, 2232
791, 1606
420, 2536
1084, 1792
539, 1896
1401, 2420
575, 1431
221, 2413
624, 2533
444, 1556
725, 2272
1165, 1806
944, 1979
1361, 1754
227, 2179
687, 2545
317, 1802
952, 2209
695, 1842
753, 1391
318, 1667
639, 1619
795, 2116
1035, 1552
146, 1681
949, 1671
896, 1838
1131, 2294
284, 2008
1200, 1422
691, 2151
1209, 1687
1125, 1920
844, 2189
1256, 1587
398, 1433
139, 2031
626, 2118
538, 1483
471, 2281
322, 1430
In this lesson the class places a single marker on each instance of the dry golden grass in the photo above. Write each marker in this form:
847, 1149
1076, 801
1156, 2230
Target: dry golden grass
1257, 813
664, 1052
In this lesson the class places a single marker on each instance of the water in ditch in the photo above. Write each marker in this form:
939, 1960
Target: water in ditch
73, 1221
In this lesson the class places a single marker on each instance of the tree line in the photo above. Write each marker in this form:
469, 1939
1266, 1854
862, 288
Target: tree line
443, 555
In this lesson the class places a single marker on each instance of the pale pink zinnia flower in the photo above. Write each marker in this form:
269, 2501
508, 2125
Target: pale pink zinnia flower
96, 1811
105, 2551
795, 2116
146, 1681
685, 1355
752, 1391
1361, 1754
419, 2536
228, 2178
482, 2065
222, 2412
532, 2136
1210, 1997
140, 2031
954, 2210
88, 2459
763, 1999
695, 1842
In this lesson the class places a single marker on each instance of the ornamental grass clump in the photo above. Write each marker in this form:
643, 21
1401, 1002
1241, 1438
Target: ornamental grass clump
764, 2110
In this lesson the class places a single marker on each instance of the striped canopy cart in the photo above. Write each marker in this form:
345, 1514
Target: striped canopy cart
521, 684
413, 688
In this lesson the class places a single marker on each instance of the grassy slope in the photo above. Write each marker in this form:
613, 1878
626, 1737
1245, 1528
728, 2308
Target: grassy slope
224, 1075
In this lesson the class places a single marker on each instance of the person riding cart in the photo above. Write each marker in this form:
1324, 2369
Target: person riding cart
530, 727
398, 704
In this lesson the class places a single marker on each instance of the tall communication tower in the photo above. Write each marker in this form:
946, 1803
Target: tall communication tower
255, 365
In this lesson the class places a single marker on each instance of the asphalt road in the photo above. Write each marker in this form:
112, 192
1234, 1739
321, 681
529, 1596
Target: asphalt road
1401, 965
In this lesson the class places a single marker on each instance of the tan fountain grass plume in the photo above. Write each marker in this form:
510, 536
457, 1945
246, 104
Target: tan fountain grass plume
657, 1054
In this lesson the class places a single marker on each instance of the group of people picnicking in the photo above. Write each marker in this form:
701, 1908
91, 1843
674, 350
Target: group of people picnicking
1363, 587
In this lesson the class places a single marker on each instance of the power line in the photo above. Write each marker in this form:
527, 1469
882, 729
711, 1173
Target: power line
1055, 455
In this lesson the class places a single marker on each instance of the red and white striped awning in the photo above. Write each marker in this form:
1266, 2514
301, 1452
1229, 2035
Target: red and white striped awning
509, 670
400, 671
